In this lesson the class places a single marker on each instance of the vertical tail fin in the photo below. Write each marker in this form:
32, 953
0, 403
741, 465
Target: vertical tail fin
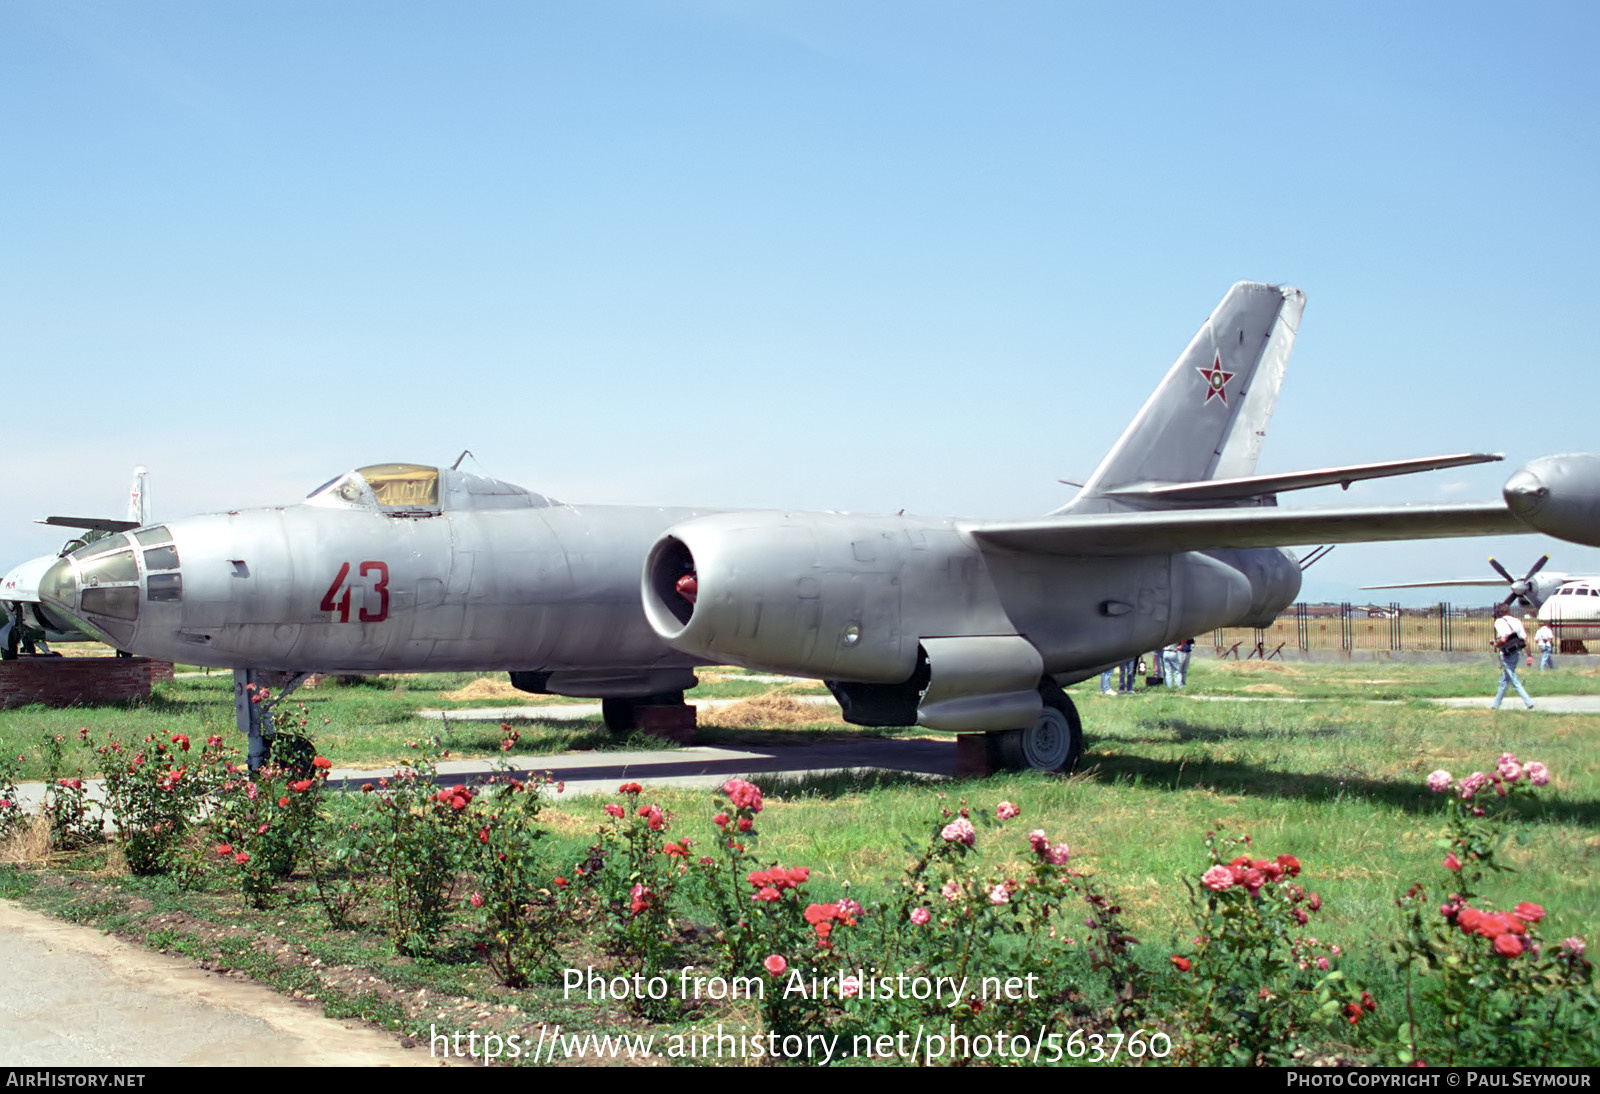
138, 497
1209, 416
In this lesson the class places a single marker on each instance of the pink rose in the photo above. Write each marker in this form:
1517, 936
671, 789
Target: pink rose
951, 891
1058, 855
1217, 878
1440, 781
775, 964
1005, 811
920, 916
960, 830
1537, 773
1000, 894
744, 795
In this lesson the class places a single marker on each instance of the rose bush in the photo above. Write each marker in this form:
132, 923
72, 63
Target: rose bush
1483, 987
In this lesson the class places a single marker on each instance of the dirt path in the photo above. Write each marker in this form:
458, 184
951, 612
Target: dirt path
76, 997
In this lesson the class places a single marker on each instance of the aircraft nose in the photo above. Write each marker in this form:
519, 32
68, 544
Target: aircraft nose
59, 587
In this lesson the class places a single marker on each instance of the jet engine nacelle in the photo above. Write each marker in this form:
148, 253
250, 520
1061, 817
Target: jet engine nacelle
1560, 496
802, 593
1273, 580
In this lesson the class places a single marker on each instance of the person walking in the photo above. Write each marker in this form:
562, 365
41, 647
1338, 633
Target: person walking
1510, 640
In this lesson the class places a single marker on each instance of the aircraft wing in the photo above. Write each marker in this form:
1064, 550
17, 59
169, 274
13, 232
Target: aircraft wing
1158, 532
1220, 490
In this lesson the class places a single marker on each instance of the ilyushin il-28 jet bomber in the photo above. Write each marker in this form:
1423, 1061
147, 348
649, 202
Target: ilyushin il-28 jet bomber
958, 625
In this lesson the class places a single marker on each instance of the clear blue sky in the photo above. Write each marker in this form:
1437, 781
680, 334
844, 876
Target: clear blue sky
863, 256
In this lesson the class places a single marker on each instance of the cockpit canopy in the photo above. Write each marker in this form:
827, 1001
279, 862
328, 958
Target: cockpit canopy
416, 490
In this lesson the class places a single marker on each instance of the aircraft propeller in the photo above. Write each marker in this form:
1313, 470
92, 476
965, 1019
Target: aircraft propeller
1519, 589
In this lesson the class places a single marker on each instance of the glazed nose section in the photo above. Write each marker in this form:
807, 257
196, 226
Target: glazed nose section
58, 588
111, 585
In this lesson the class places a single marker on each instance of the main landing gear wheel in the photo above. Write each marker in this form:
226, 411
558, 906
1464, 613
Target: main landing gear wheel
1053, 743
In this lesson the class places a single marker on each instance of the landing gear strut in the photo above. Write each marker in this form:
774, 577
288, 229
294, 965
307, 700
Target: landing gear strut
254, 716
1053, 743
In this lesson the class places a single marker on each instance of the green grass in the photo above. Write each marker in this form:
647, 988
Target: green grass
1336, 781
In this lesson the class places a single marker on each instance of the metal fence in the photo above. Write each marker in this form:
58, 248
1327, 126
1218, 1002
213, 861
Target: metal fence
1307, 627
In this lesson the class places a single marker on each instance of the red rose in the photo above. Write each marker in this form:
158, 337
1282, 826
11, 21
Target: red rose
1180, 963
1508, 945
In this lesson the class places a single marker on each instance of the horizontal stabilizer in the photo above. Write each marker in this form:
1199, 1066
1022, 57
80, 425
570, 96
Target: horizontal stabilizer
1254, 486
1158, 532
99, 524
1462, 581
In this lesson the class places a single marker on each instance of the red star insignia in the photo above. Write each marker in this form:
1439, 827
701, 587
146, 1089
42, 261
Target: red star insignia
1215, 379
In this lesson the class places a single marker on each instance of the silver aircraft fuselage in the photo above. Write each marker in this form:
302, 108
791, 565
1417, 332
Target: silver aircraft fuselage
340, 587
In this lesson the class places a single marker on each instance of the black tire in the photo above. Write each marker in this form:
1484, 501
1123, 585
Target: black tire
294, 754
618, 715
1055, 741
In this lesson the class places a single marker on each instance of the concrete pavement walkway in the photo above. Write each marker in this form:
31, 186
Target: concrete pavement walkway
77, 998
